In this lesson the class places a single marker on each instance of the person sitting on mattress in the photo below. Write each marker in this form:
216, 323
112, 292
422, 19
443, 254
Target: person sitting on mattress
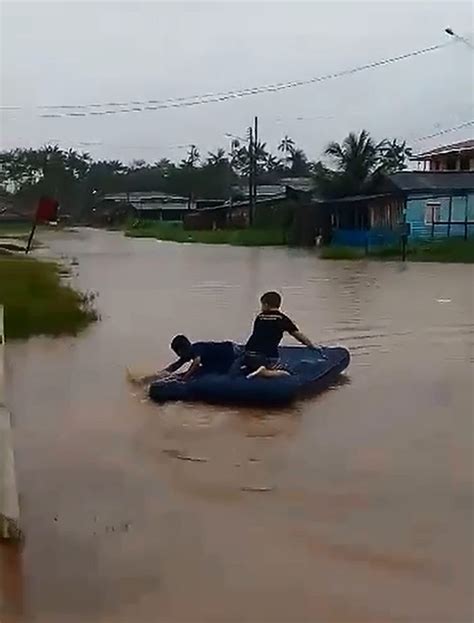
261, 357
205, 357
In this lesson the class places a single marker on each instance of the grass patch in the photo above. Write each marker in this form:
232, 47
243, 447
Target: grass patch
37, 303
175, 232
443, 250
342, 253
11, 247
14, 230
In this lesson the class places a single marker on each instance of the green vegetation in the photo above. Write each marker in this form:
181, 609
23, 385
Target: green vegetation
444, 250
37, 303
14, 230
11, 247
175, 232
359, 162
79, 182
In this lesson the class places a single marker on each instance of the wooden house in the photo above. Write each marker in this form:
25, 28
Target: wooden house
433, 203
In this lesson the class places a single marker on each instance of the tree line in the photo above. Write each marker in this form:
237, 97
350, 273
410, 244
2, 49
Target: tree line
76, 180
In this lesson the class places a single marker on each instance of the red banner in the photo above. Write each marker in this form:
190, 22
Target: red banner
47, 210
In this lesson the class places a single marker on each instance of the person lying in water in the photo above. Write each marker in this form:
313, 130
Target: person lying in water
204, 357
261, 357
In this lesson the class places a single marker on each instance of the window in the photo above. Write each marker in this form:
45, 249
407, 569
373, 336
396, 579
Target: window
451, 164
432, 212
465, 163
437, 165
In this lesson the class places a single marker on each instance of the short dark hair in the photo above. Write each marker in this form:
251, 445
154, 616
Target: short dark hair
180, 343
272, 299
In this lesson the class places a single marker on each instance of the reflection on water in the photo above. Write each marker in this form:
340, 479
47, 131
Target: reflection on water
354, 506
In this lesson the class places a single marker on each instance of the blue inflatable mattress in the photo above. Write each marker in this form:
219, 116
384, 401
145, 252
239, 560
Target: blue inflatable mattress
310, 373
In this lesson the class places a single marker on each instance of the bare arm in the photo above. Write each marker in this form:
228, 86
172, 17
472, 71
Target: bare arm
193, 368
301, 337
173, 367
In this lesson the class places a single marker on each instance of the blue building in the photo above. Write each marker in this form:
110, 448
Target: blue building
434, 203
437, 204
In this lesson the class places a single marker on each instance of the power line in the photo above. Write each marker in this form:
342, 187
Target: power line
465, 124
225, 96
84, 110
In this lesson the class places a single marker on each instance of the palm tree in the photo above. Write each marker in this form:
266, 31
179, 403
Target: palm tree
115, 166
356, 159
192, 158
393, 155
261, 156
298, 163
77, 164
287, 145
272, 164
218, 158
138, 164
356, 156
240, 159
164, 166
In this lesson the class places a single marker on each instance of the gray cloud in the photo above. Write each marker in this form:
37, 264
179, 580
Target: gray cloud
82, 52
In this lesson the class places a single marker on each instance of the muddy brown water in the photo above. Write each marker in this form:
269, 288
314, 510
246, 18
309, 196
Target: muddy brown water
352, 507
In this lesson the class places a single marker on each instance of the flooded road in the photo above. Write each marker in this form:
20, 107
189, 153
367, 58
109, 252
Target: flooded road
366, 510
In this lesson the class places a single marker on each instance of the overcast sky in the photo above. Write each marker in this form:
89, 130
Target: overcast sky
84, 52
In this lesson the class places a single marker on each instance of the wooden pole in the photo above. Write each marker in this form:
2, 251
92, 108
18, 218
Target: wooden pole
450, 214
255, 163
30, 239
405, 235
251, 157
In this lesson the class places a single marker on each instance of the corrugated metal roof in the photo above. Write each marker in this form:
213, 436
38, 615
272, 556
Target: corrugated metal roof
353, 199
262, 189
435, 181
142, 196
241, 204
305, 184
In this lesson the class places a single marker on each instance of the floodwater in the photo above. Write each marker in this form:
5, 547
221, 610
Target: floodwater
353, 507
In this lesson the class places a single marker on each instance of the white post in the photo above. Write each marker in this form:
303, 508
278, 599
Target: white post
9, 506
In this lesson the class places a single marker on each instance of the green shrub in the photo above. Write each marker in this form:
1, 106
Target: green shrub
37, 303
174, 232
441, 250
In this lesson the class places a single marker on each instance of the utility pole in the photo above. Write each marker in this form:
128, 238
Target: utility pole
255, 164
251, 174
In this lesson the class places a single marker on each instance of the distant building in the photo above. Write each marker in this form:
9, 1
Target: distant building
269, 191
453, 157
437, 204
235, 213
146, 205
264, 191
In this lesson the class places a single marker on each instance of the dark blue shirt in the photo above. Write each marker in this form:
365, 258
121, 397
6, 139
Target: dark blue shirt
215, 356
